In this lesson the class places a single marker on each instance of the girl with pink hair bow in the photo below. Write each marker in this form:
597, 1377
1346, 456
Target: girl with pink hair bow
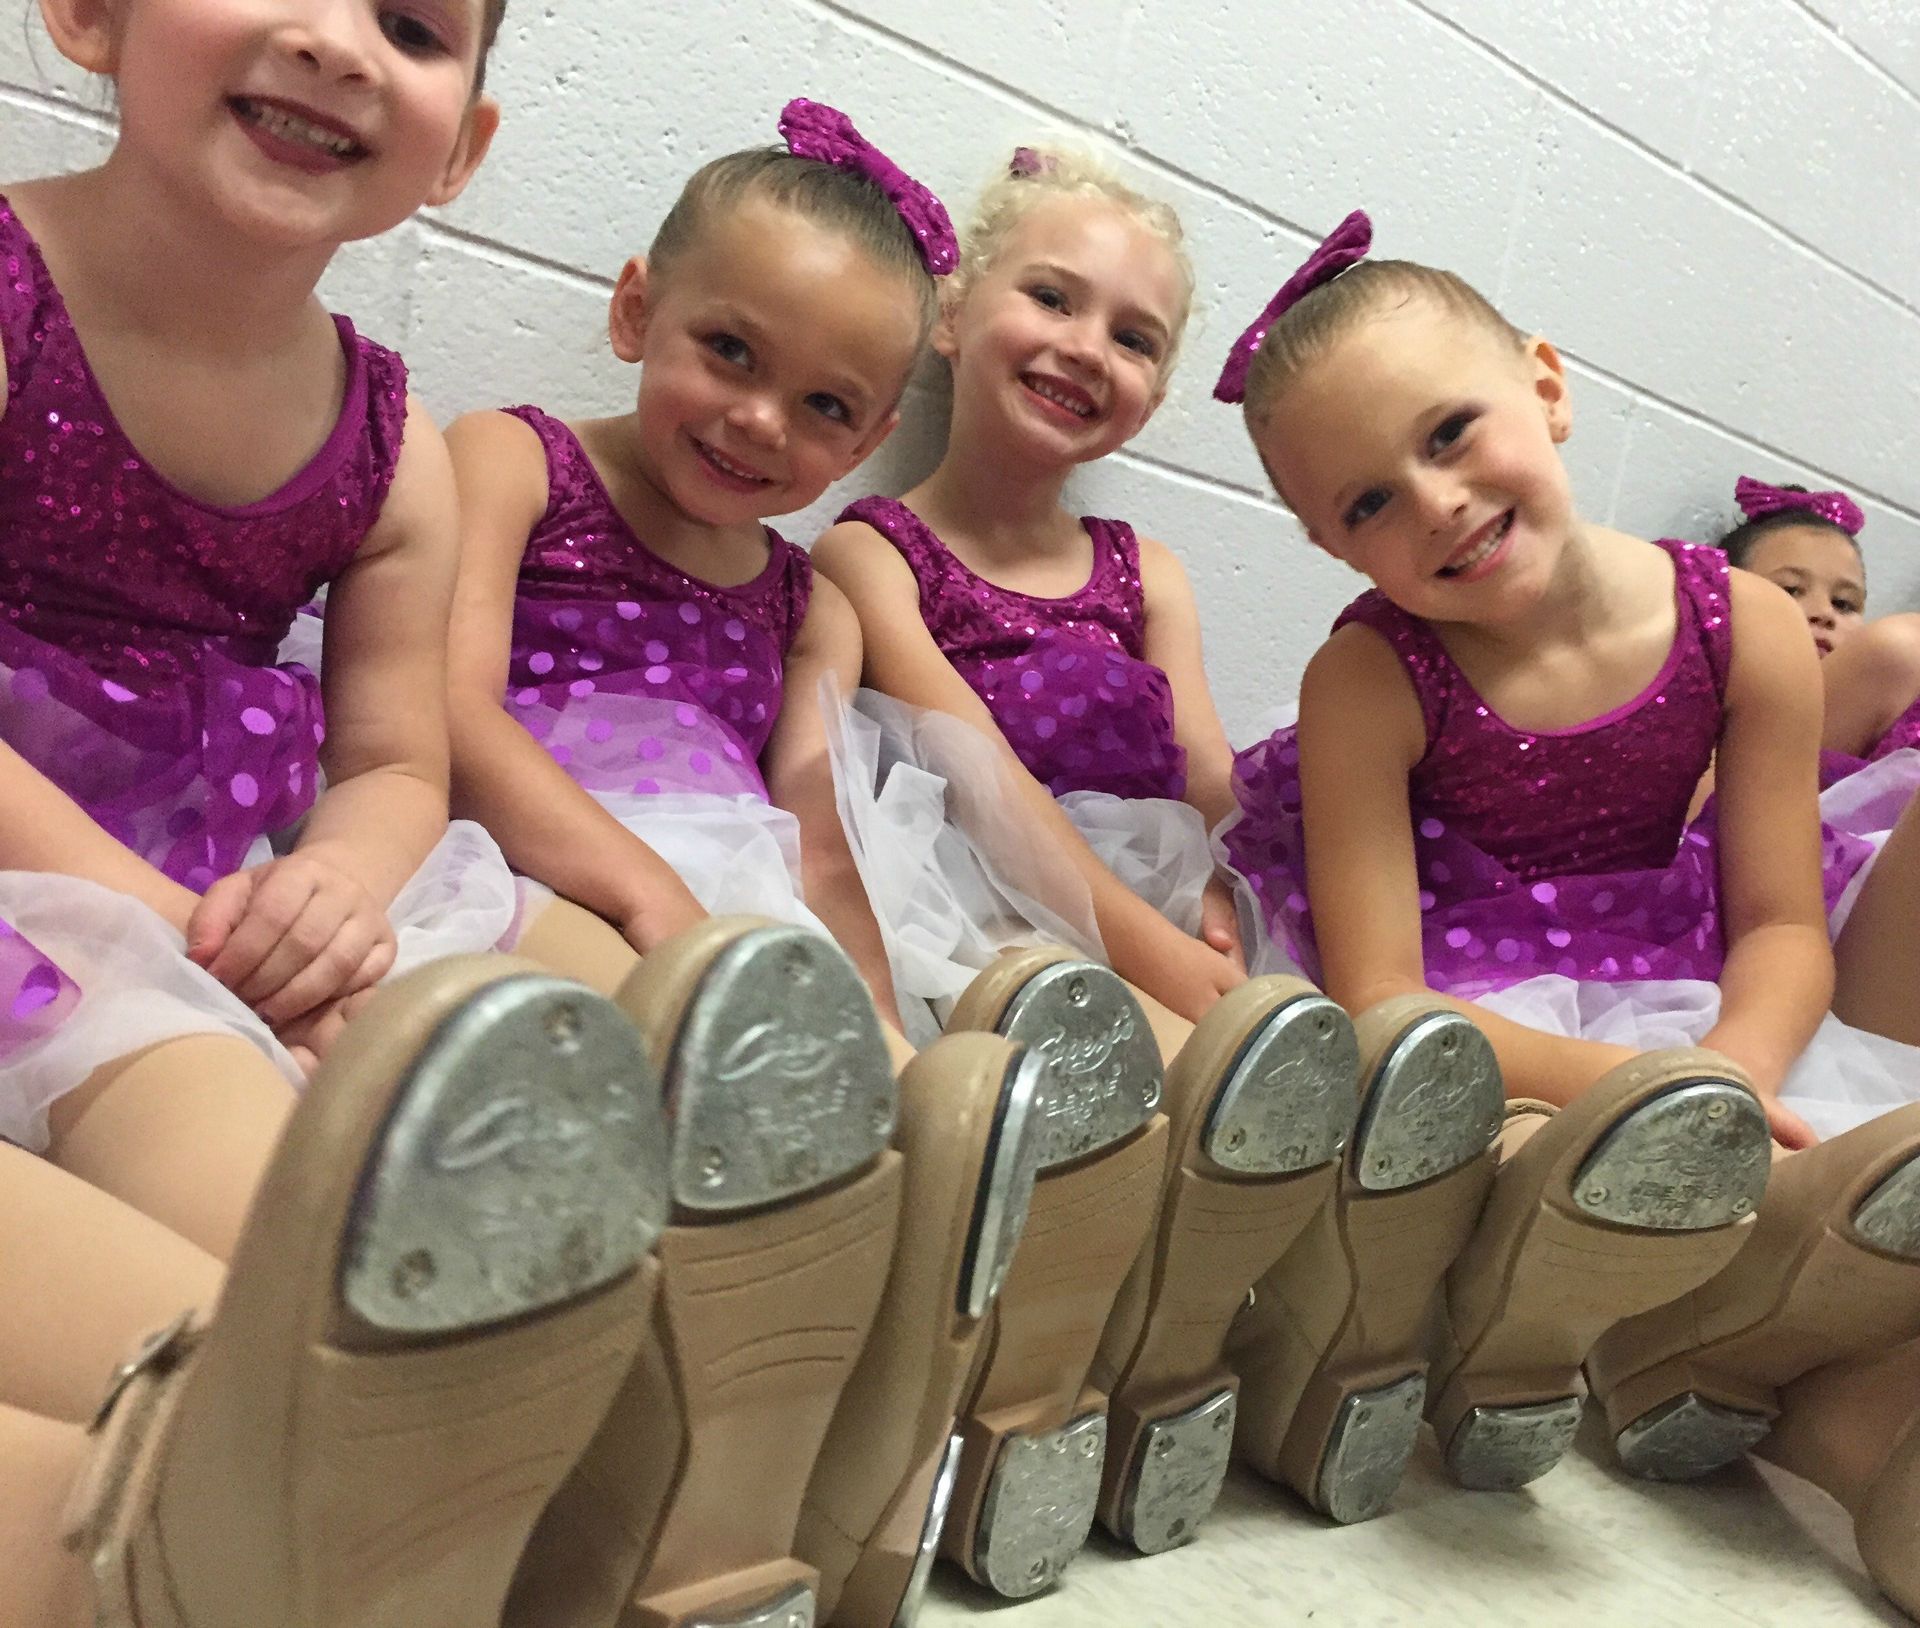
1485, 801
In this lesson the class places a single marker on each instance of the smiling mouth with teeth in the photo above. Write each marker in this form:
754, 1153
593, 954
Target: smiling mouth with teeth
1484, 551
726, 466
289, 126
1063, 396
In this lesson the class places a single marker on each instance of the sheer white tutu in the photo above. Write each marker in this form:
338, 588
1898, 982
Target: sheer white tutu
738, 855
956, 874
137, 987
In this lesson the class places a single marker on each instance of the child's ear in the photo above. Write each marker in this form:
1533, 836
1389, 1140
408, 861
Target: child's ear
628, 311
942, 341
86, 32
477, 131
1550, 387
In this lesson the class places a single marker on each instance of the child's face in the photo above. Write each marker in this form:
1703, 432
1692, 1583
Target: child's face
1421, 449
1821, 569
775, 355
300, 121
1064, 338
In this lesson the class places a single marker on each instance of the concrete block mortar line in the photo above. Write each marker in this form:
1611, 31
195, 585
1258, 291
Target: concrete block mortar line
1192, 480
1014, 96
1827, 25
1720, 195
57, 106
433, 229
1640, 394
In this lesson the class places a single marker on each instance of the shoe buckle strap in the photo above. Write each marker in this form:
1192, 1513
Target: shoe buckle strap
110, 1496
159, 1355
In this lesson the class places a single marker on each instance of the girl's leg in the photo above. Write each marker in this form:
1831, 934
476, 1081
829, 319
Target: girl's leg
1877, 955
1839, 1423
180, 1131
86, 1278
40, 1582
577, 944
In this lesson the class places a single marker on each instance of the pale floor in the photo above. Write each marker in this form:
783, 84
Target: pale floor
1584, 1545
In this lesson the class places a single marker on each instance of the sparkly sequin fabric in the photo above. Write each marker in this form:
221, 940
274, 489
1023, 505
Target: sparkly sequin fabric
1064, 678
635, 676
140, 624
1562, 851
35, 995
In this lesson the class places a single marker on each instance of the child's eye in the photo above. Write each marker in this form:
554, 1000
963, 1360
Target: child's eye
1141, 344
1794, 590
1846, 607
1448, 431
1366, 506
830, 406
411, 34
729, 348
1051, 298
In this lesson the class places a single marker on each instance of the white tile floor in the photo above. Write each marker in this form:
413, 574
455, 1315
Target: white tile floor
1585, 1545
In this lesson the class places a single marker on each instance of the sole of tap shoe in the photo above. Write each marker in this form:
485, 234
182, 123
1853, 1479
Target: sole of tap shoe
1332, 1353
442, 1282
785, 1197
970, 1135
1033, 1429
1832, 1269
1632, 1196
1260, 1102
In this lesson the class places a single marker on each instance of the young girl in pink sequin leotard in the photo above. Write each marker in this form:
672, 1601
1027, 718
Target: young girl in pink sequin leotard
1070, 646
1538, 696
1808, 543
191, 446
638, 658
1485, 800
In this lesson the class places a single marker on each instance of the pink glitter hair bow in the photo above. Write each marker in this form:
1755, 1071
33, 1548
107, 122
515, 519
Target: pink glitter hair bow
1344, 248
1757, 498
814, 130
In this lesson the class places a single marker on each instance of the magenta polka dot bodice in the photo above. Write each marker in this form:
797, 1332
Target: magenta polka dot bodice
140, 624
1538, 851
1065, 679
635, 675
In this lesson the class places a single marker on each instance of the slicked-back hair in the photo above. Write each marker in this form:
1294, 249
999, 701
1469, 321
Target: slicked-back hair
836, 199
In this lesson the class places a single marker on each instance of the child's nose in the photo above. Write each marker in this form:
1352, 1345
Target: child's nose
330, 35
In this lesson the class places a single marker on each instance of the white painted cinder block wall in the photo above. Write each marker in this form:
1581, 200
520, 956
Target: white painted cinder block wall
1713, 206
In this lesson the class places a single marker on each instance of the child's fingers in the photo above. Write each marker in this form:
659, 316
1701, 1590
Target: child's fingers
1789, 1129
216, 915
319, 958
280, 893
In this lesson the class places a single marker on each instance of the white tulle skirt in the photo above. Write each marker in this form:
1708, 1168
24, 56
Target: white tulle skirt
956, 874
137, 988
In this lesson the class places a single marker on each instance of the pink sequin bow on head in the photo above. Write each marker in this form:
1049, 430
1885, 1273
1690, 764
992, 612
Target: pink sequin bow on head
1757, 498
814, 130
1026, 162
1346, 246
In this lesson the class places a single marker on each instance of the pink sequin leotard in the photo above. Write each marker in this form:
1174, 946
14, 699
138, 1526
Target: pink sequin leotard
1065, 679
636, 676
137, 646
1538, 851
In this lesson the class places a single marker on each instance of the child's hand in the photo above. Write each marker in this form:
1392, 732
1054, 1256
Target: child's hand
311, 1036
291, 935
1220, 923
1183, 974
1789, 1129
668, 908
